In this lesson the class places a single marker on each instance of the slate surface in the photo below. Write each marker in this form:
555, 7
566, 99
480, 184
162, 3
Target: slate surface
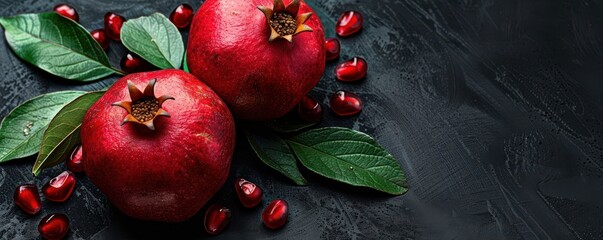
493, 109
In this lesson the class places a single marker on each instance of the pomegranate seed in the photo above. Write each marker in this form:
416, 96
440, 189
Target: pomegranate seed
113, 23
54, 226
351, 70
67, 11
309, 109
101, 37
345, 103
132, 63
182, 16
349, 23
216, 218
74, 163
333, 48
249, 193
27, 198
59, 188
275, 214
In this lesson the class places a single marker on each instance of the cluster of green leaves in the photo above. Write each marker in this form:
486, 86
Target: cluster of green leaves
22, 129
50, 124
340, 154
64, 48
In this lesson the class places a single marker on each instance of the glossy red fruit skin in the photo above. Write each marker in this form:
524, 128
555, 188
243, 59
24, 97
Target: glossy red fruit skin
345, 103
182, 16
67, 11
101, 37
74, 162
258, 79
216, 219
349, 22
60, 187
27, 198
309, 109
54, 226
275, 214
351, 70
333, 48
167, 174
132, 63
249, 194
113, 24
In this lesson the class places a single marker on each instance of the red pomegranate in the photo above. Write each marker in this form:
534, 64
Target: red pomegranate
158, 154
260, 56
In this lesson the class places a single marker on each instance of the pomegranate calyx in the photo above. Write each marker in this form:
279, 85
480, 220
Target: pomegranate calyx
285, 22
144, 107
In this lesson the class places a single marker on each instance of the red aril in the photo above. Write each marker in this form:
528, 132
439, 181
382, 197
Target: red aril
132, 63
275, 214
27, 198
351, 70
74, 163
54, 226
345, 103
216, 219
101, 37
249, 193
309, 109
182, 16
60, 187
67, 11
349, 22
333, 48
113, 24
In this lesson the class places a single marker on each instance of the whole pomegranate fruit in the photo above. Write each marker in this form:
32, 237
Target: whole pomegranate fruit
260, 56
158, 154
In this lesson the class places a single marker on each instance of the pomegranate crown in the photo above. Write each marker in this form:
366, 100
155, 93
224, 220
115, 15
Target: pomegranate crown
144, 107
285, 22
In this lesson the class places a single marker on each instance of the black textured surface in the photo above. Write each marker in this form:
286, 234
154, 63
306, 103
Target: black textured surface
493, 109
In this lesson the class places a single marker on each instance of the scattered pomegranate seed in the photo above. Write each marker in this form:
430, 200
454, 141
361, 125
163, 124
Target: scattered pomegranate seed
101, 37
309, 109
54, 226
345, 103
27, 198
275, 214
249, 194
216, 218
113, 23
132, 63
59, 188
67, 11
351, 70
349, 23
74, 163
182, 15
333, 48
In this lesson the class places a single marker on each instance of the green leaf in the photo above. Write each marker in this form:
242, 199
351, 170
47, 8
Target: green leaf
185, 64
289, 123
57, 45
155, 39
275, 153
63, 132
21, 131
350, 157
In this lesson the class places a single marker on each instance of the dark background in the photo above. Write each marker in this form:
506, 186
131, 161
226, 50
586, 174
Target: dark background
493, 109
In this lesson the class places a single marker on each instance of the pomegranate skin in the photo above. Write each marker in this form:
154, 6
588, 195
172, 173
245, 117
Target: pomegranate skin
259, 80
167, 174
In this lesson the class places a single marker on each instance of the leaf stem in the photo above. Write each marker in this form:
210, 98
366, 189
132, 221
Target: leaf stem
118, 71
